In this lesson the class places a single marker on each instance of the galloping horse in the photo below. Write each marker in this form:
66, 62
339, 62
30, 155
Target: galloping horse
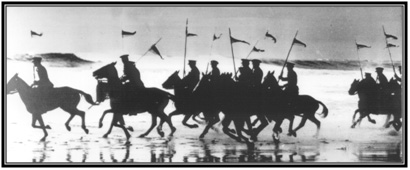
391, 107
129, 101
38, 103
185, 103
277, 109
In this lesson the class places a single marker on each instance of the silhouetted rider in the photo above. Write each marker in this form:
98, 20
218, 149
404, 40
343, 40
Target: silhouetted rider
215, 70
246, 73
192, 79
396, 76
257, 74
382, 85
131, 73
41, 81
291, 88
369, 88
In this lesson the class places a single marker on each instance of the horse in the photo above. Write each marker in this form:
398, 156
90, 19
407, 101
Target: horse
185, 103
391, 107
38, 102
275, 108
126, 101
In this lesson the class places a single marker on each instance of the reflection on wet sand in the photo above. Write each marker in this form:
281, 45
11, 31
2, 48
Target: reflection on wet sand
189, 150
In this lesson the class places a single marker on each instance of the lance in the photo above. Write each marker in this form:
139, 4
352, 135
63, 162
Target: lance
233, 57
186, 35
149, 50
252, 49
388, 49
357, 49
284, 64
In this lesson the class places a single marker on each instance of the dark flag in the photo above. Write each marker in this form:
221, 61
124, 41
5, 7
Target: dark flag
155, 50
296, 41
391, 45
270, 36
233, 40
126, 33
36, 34
215, 37
359, 46
257, 50
190, 35
390, 36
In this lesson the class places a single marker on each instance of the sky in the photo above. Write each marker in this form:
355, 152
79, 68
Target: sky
329, 32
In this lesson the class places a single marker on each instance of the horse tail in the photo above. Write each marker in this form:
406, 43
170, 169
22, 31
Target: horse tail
325, 110
87, 97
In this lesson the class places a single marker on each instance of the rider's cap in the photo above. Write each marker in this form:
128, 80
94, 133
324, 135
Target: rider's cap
36, 59
245, 61
367, 74
213, 62
191, 62
290, 64
124, 56
256, 61
378, 69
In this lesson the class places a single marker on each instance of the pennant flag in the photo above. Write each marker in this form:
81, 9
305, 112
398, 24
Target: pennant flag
257, 50
36, 34
390, 36
155, 50
391, 45
359, 46
126, 33
270, 36
233, 40
215, 37
190, 35
296, 41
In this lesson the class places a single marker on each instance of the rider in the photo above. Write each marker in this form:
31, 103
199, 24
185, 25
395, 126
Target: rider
215, 70
291, 88
257, 73
246, 73
369, 88
131, 74
192, 79
382, 83
42, 81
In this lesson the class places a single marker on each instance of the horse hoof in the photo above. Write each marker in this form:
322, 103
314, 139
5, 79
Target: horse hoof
130, 128
68, 128
194, 126
48, 127
201, 136
43, 139
100, 125
86, 131
232, 131
128, 143
142, 135
352, 126
105, 136
254, 138
374, 122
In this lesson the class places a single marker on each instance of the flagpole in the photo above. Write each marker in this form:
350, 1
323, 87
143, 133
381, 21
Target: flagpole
186, 34
358, 56
252, 49
284, 64
149, 49
233, 57
388, 49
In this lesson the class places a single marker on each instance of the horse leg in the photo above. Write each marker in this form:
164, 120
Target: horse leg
161, 114
211, 121
354, 115
370, 119
259, 129
153, 124
186, 118
40, 120
121, 124
33, 123
225, 123
82, 115
317, 122
301, 124
100, 125
277, 130
239, 128
114, 121
358, 120
387, 121
290, 129
67, 124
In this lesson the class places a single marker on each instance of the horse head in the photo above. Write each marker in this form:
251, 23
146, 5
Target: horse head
393, 86
270, 81
172, 80
12, 85
353, 87
106, 71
